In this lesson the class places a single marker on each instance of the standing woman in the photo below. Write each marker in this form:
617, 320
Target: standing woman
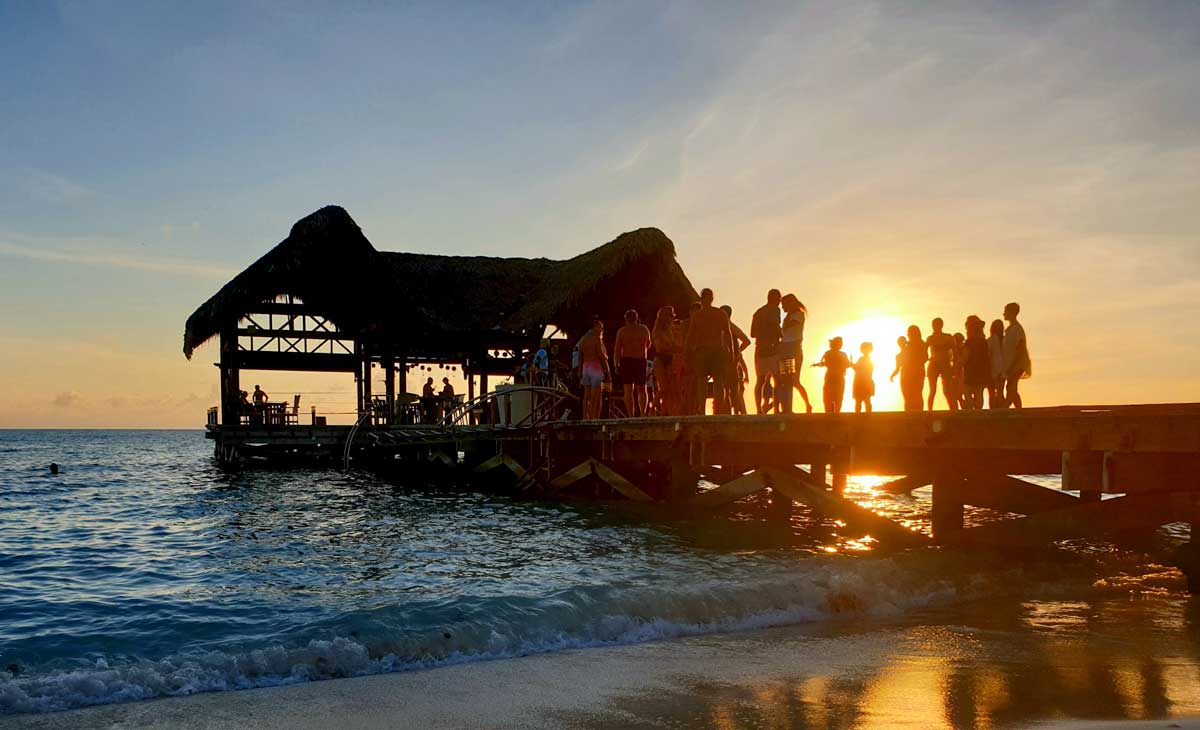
667, 348
912, 370
977, 365
791, 353
995, 343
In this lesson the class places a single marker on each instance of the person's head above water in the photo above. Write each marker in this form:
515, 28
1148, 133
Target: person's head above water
706, 296
53, 468
1011, 310
631, 316
866, 348
773, 297
937, 325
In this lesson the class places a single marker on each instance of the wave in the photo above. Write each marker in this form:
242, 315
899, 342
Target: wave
396, 638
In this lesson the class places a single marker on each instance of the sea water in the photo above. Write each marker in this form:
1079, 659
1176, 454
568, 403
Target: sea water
143, 570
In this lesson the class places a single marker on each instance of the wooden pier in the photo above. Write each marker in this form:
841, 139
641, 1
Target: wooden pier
325, 300
1123, 468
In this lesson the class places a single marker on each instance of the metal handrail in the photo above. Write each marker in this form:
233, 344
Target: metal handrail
455, 416
350, 438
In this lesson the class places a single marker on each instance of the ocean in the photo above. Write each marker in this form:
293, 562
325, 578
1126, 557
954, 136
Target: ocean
142, 570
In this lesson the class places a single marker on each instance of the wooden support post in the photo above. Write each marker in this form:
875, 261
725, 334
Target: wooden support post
817, 473
389, 373
231, 402
840, 467
368, 401
947, 511
1083, 471
358, 384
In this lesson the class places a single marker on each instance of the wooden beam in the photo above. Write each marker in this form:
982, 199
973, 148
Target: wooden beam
296, 362
905, 485
796, 485
1009, 494
593, 467
619, 483
731, 491
498, 461
572, 475
1086, 518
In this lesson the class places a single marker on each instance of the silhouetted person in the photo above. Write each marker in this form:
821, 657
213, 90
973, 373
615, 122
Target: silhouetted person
260, 397
836, 363
941, 363
737, 382
764, 328
977, 365
53, 468
864, 378
593, 369
630, 351
957, 387
1017, 364
447, 389
709, 351
912, 369
791, 353
428, 390
667, 338
995, 343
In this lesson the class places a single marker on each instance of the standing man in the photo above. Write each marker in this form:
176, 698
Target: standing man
1017, 363
709, 352
740, 376
941, 364
764, 328
629, 353
593, 368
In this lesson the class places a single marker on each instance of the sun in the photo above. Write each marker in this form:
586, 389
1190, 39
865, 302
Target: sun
881, 331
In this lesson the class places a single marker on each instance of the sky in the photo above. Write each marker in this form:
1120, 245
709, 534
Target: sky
888, 162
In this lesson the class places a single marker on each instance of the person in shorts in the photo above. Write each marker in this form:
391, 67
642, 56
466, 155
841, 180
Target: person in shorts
941, 364
764, 328
630, 351
709, 353
593, 369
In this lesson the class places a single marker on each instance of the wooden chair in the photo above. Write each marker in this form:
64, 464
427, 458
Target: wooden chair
292, 418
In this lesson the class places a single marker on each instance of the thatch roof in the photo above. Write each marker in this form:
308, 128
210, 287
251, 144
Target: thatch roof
441, 305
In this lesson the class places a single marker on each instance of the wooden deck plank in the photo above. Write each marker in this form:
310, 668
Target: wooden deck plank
731, 491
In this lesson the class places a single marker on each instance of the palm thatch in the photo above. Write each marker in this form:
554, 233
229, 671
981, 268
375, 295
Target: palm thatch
443, 305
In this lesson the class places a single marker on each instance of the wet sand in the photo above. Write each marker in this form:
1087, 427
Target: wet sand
996, 666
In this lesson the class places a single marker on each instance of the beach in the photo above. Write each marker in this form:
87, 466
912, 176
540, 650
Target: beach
1104, 663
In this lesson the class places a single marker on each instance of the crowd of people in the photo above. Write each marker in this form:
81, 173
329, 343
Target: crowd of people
676, 366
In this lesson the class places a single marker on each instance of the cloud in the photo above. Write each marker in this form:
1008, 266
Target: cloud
67, 399
52, 188
50, 252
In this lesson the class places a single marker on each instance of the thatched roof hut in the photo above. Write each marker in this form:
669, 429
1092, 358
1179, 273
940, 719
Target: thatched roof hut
445, 306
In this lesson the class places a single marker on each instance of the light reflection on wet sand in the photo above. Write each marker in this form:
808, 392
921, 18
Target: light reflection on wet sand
1008, 666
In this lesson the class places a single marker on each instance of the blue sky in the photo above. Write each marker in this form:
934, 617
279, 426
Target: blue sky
880, 159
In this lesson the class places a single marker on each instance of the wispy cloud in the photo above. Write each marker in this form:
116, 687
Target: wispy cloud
73, 255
